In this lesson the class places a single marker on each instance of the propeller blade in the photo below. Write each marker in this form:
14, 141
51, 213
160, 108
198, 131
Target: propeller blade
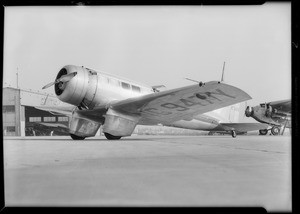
245, 109
64, 78
67, 77
248, 111
48, 85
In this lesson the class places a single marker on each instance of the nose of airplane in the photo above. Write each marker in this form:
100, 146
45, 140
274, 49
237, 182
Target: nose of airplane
249, 111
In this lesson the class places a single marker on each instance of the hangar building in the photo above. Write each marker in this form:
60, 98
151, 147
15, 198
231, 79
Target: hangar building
21, 119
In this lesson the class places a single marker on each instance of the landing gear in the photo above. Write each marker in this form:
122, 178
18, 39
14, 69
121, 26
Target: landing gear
275, 130
263, 131
76, 137
233, 134
111, 137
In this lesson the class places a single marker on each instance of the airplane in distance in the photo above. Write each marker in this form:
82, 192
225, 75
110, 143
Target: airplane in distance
277, 114
118, 105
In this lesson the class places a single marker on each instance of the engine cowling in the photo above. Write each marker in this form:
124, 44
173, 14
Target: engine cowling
78, 91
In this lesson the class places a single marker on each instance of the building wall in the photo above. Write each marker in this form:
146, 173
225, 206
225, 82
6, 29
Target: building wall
11, 112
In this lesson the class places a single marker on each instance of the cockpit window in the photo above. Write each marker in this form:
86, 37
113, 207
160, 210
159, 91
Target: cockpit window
125, 85
136, 88
114, 82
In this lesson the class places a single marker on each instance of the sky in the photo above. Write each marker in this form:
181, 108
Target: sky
155, 45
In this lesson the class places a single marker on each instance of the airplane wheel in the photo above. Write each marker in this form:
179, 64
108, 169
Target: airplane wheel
233, 134
111, 137
76, 137
263, 131
275, 130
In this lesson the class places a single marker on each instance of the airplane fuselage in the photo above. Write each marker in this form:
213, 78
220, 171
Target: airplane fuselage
259, 114
119, 104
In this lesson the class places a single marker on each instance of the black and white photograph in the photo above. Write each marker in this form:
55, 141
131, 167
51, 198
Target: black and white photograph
147, 106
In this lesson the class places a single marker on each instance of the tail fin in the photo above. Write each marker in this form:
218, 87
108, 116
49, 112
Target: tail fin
231, 114
237, 112
234, 113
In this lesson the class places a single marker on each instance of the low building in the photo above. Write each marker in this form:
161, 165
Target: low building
20, 118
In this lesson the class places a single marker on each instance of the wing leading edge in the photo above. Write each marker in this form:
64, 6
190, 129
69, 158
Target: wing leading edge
64, 110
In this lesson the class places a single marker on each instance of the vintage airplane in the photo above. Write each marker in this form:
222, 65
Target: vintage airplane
98, 98
276, 114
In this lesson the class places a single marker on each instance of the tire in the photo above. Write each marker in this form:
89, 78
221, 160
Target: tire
111, 137
275, 130
263, 131
233, 134
76, 137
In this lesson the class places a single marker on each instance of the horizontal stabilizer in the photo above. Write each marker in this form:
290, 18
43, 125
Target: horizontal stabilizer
244, 127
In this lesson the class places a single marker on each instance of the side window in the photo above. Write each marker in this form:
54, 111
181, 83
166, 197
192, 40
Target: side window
136, 88
125, 85
114, 82
11, 128
49, 119
10, 108
35, 119
63, 119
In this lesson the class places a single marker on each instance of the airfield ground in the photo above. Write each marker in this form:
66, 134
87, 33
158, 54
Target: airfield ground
149, 171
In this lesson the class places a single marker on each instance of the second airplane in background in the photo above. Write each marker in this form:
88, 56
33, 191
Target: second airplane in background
277, 114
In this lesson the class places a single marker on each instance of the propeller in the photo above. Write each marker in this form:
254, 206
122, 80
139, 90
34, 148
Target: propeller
269, 110
63, 79
248, 111
246, 107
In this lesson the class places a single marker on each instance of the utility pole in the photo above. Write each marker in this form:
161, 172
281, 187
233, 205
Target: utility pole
17, 77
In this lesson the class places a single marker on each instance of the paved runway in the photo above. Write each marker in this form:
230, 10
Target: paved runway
149, 171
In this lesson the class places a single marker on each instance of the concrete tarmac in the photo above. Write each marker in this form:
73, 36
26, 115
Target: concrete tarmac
148, 171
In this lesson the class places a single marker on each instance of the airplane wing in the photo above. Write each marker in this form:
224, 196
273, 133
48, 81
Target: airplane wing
65, 110
282, 106
243, 127
173, 105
